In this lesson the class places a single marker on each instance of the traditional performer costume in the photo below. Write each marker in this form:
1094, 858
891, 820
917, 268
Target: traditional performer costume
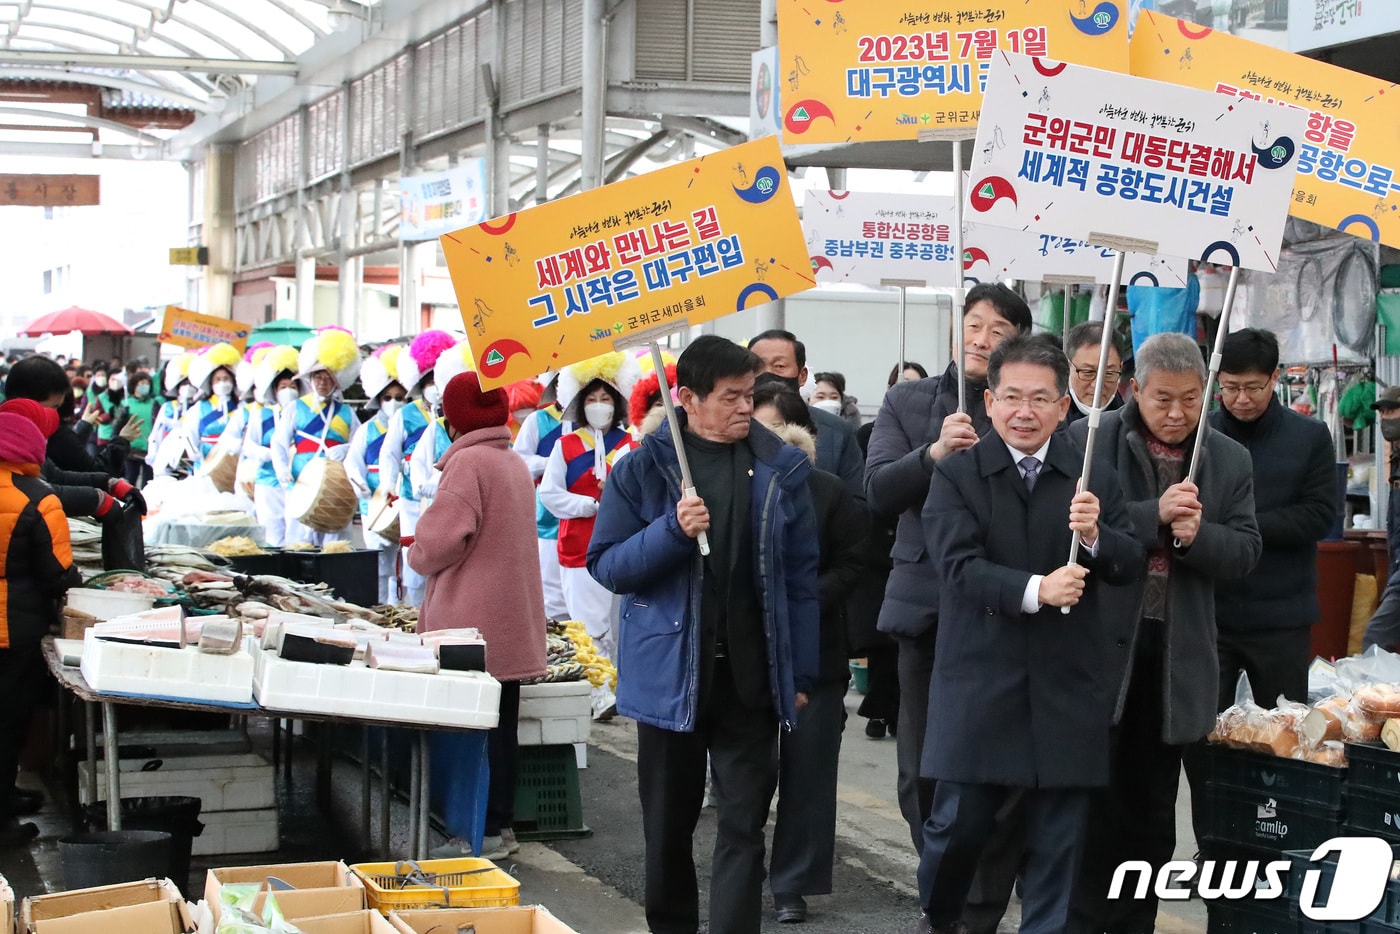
313, 427
362, 462
269, 498
164, 446
406, 431
203, 425
572, 487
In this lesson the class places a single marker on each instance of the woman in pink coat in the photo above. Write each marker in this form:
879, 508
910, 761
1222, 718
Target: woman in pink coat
476, 545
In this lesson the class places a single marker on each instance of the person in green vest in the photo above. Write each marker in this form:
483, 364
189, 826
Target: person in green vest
106, 403
141, 406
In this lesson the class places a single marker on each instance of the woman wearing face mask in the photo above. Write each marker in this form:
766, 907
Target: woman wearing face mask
212, 373
319, 423
406, 430
830, 396
274, 388
163, 448
141, 406
594, 395
105, 403
384, 395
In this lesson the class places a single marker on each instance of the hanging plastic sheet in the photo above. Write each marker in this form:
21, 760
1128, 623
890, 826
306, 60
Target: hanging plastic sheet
1160, 311
1324, 292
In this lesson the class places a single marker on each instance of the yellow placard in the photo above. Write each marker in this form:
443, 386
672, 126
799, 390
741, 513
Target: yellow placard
1348, 155
189, 256
572, 279
191, 330
881, 71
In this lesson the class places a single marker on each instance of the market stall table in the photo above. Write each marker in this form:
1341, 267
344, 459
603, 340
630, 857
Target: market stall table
71, 679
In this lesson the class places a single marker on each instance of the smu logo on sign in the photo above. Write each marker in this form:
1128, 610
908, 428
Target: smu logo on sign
1358, 885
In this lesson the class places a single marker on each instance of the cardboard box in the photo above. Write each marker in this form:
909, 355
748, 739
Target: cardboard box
301, 876
314, 903
523, 920
154, 905
7, 907
359, 922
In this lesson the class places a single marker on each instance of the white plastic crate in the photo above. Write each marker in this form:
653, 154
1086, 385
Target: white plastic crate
237, 832
183, 674
463, 699
221, 783
555, 714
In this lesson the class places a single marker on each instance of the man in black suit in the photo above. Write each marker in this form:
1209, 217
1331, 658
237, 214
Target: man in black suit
1019, 701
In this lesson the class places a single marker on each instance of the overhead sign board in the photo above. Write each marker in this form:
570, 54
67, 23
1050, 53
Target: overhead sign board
50, 191
573, 278
189, 256
1133, 164
1349, 150
433, 204
851, 72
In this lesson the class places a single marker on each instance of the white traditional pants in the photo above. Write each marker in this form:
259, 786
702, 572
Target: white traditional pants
594, 605
415, 585
270, 508
555, 607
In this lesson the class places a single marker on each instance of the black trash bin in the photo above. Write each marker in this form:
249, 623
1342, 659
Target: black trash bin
112, 856
176, 815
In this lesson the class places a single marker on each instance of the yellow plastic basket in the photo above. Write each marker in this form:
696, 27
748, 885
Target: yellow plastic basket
437, 883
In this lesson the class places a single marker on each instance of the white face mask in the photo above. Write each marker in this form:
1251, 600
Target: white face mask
828, 405
430, 395
100, 382
186, 392
286, 395
223, 389
389, 407
599, 414
119, 381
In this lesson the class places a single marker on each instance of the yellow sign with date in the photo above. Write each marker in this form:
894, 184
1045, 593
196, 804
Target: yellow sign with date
191, 330
575, 278
859, 71
1349, 154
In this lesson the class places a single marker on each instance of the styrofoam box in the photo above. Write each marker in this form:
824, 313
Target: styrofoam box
222, 783
186, 674
237, 832
555, 714
469, 699
554, 731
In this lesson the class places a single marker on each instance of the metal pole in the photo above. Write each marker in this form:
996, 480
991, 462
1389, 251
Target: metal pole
113, 757
594, 94
1064, 321
1095, 413
659, 365
414, 764
384, 788
1214, 370
365, 817
90, 718
424, 799
959, 293
903, 323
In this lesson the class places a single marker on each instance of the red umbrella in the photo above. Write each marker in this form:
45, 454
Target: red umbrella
83, 320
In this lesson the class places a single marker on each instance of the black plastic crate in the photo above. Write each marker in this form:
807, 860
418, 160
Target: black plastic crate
1374, 813
1264, 821
353, 575
274, 562
1386, 913
1290, 779
1373, 767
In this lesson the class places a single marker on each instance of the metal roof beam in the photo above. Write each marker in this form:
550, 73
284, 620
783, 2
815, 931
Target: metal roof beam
76, 150
81, 119
213, 66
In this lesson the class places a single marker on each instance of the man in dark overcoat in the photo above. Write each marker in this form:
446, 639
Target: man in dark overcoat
1020, 700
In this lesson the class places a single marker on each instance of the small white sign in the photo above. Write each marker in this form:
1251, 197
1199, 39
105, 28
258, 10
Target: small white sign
1133, 164
441, 202
864, 238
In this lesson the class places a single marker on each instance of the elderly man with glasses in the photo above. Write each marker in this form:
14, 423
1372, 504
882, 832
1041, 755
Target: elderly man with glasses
1082, 348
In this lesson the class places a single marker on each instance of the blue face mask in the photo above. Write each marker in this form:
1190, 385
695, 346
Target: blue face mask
143, 391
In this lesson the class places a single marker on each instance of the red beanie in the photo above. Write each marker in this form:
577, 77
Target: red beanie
20, 439
45, 418
468, 408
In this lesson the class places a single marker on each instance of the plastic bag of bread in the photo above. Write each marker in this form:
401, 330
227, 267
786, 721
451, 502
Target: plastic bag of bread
1324, 722
1358, 726
1378, 700
1331, 752
1228, 724
1278, 732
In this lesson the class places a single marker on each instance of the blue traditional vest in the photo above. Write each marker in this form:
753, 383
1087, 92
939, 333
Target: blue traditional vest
415, 420
265, 418
212, 422
310, 426
546, 524
374, 442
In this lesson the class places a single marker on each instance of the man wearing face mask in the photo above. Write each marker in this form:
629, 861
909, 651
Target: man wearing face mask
838, 451
1082, 348
593, 394
384, 396
407, 428
274, 389
319, 423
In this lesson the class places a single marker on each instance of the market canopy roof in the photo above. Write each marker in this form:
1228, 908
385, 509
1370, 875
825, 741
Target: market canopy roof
135, 71
83, 320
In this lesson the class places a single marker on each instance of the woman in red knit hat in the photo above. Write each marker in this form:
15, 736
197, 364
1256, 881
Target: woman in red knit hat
476, 546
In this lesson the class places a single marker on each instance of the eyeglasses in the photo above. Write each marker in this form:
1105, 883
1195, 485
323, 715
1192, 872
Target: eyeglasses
1089, 373
1037, 403
1254, 392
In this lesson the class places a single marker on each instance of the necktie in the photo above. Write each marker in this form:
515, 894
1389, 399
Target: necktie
1030, 470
